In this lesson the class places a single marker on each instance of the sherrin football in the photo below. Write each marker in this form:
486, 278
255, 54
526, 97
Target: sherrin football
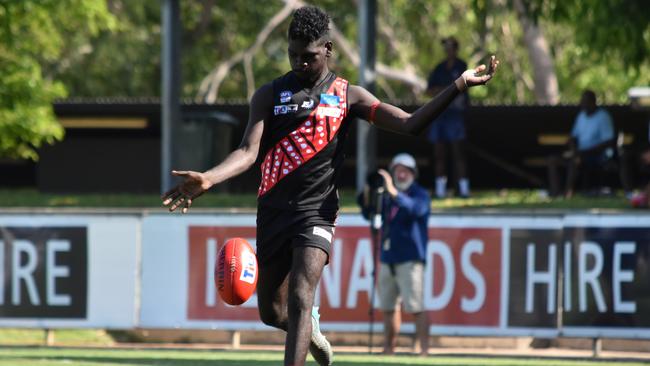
236, 271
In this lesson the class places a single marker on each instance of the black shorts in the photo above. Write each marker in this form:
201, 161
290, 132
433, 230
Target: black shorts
280, 232
316, 236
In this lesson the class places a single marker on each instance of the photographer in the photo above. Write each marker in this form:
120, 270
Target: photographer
404, 211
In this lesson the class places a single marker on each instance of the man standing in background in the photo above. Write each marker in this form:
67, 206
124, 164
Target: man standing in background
405, 212
449, 127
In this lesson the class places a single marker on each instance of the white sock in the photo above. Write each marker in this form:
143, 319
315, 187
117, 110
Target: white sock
463, 186
441, 187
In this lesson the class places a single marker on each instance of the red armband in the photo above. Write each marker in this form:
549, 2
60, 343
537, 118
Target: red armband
373, 110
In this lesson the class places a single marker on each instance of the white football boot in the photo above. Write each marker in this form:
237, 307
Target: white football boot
319, 347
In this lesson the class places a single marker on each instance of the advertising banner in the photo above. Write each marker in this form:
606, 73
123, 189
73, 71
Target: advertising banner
44, 272
533, 278
606, 276
68, 271
544, 276
462, 277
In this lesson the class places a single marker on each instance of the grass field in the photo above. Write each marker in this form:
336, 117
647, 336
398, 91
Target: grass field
503, 199
32, 356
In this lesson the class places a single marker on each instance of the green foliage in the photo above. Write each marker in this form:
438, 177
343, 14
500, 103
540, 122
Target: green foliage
112, 48
121, 59
409, 37
32, 34
617, 29
26, 117
601, 45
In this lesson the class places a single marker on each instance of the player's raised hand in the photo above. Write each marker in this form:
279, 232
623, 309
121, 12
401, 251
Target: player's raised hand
481, 74
195, 184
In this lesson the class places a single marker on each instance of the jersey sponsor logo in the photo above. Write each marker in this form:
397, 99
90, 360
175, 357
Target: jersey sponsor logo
330, 100
329, 111
308, 104
284, 109
323, 233
285, 96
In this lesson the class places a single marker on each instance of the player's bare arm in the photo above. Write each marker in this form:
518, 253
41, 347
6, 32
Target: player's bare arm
392, 118
237, 162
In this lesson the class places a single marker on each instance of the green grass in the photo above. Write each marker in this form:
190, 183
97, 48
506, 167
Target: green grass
531, 199
503, 199
78, 337
32, 356
33, 198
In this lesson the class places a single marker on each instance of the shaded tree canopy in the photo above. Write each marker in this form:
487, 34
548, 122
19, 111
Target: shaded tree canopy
34, 35
94, 48
586, 49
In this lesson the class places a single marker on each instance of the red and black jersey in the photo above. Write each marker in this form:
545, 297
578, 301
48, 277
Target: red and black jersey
302, 149
303, 145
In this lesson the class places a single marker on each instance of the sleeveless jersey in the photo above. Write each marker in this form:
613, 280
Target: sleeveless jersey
303, 145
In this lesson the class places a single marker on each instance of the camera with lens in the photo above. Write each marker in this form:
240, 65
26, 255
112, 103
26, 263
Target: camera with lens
375, 180
373, 193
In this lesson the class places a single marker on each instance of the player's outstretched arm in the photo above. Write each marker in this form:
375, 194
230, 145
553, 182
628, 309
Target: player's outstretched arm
237, 162
391, 118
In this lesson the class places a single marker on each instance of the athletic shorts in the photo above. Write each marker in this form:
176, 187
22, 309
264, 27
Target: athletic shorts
401, 281
447, 128
281, 232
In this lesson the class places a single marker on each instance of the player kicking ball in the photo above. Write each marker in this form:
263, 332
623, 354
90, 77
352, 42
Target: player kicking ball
299, 123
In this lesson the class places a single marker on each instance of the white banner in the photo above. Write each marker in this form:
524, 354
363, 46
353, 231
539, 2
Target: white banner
69, 271
485, 274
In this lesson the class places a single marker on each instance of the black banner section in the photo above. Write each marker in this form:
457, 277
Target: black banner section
606, 277
533, 278
43, 272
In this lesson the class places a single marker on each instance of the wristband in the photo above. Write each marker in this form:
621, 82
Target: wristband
373, 110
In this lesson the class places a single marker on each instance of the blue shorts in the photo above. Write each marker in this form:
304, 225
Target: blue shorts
447, 129
595, 161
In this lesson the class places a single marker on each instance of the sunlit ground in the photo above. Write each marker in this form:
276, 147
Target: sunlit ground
490, 199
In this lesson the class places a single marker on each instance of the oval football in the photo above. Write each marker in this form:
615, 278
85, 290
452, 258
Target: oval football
236, 271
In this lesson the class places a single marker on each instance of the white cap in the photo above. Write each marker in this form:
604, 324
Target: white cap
406, 160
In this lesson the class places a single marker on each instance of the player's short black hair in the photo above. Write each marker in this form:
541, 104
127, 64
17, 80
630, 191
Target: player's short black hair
309, 24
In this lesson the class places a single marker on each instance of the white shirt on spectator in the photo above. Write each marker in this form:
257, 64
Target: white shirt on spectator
594, 129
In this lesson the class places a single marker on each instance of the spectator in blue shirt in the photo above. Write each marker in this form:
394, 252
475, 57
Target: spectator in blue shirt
591, 143
404, 236
449, 127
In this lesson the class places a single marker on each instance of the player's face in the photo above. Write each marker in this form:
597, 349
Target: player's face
309, 59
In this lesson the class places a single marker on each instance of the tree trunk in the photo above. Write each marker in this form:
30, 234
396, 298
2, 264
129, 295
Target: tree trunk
546, 88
